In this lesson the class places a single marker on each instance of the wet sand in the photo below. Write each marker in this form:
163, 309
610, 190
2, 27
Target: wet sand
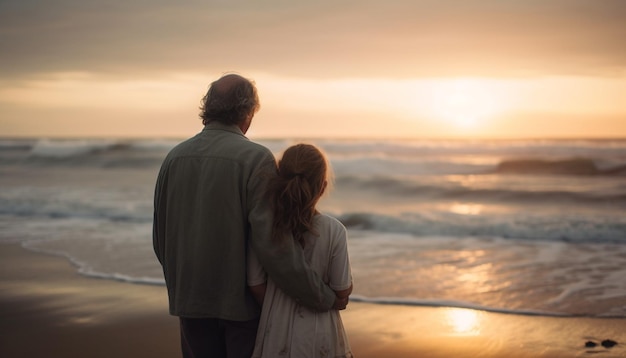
48, 310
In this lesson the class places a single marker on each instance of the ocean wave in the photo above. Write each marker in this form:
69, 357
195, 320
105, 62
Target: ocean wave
373, 165
69, 148
90, 153
501, 148
84, 268
541, 228
124, 211
398, 301
501, 193
16, 144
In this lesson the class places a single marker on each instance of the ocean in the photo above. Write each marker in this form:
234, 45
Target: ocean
533, 227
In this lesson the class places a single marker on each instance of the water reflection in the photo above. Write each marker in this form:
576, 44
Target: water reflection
466, 209
464, 321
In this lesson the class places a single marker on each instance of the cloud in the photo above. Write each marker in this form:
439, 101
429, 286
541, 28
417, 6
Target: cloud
400, 39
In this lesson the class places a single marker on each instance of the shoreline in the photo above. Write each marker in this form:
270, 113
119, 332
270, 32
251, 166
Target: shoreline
48, 309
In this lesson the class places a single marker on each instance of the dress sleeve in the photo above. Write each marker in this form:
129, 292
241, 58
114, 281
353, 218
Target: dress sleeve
340, 274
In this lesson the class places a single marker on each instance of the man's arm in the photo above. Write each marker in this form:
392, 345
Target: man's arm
343, 297
158, 223
344, 293
285, 264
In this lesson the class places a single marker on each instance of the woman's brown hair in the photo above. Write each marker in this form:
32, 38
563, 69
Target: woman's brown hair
301, 181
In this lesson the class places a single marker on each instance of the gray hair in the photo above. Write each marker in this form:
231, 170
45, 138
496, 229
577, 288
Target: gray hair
231, 100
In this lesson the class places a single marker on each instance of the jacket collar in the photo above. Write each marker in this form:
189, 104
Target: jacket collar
215, 125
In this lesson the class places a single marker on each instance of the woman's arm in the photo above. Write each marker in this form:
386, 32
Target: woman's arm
344, 293
258, 292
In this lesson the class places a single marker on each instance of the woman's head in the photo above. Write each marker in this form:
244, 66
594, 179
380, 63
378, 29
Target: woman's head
306, 163
303, 176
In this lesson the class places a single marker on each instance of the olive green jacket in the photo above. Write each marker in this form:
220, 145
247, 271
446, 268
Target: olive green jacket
208, 202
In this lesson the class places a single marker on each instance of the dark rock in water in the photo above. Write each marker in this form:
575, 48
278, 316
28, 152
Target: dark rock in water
577, 166
617, 171
590, 344
573, 166
608, 343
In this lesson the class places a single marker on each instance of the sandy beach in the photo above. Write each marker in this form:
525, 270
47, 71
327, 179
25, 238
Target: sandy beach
47, 309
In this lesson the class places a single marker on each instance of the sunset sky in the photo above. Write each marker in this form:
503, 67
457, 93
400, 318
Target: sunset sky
413, 68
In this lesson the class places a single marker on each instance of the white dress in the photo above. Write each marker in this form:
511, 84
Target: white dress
287, 329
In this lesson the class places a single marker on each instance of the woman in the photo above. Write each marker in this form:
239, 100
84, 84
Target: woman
287, 329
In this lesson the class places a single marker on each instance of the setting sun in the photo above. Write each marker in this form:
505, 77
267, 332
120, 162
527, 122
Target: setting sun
455, 73
464, 102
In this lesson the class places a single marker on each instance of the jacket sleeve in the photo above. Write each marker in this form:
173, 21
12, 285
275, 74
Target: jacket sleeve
281, 257
158, 223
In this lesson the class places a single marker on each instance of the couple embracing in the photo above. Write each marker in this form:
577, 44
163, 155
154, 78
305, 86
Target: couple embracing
252, 268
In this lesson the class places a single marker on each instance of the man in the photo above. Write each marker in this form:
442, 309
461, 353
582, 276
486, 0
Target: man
208, 204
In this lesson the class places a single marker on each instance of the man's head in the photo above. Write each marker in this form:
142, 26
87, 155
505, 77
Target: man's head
231, 100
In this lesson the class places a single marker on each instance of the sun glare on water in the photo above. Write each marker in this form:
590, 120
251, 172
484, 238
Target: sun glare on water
464, 321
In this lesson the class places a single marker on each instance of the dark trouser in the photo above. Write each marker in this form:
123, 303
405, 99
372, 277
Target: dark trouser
213, 337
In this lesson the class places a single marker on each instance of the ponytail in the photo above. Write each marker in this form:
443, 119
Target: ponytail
295, 191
